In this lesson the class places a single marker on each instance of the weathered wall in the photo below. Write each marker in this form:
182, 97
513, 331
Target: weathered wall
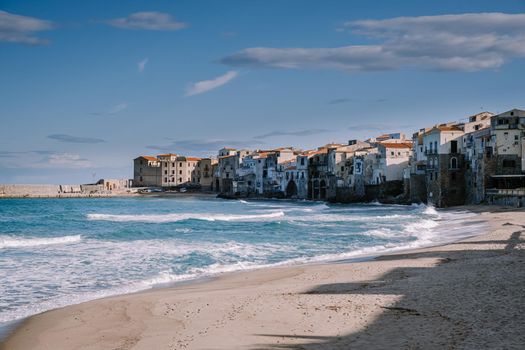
418, 188
17, 190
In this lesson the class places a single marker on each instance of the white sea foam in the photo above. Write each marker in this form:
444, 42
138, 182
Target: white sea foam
163, 218
430, 210
16, 242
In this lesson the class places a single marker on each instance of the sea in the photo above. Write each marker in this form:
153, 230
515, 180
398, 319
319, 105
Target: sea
58, 252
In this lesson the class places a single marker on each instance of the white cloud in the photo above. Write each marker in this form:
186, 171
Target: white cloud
118, 108
207, 85
67, 160
142, 65
20, 29
466, 42
148, 21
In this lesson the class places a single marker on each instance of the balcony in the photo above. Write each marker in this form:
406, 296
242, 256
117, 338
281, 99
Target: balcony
515, 192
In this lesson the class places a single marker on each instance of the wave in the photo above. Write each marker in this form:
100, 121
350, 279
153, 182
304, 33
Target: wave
163, 218
430, 210
14, 242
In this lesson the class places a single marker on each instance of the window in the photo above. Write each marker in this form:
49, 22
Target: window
302, 161
172, 164
165, 179
180, 179
453, 147
453, 163
342, 168
431, 177
173, 172
391, 153
180, 172
180, 164
165, 172
141, 179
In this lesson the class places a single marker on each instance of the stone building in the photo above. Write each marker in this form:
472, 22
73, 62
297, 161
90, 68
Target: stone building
203, 173
393, 159
445, 170
177, 170
229, 161
418, 165
504, 164
475, 137
146, 171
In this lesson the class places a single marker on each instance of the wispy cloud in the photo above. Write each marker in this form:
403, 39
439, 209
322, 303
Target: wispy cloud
141, 65
118, 108
467, 42
21, 29
207, 85
113, 110
348, 100
379, 127
67, 160
74, 139
203, 146
147, 21
42, 160
308, 132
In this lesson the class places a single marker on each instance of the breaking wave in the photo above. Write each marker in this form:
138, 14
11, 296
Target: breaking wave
12, 242
163, 218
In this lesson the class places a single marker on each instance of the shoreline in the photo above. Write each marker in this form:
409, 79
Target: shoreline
233, 284
368, 254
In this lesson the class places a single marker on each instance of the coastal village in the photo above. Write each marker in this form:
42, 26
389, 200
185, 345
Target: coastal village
479, 159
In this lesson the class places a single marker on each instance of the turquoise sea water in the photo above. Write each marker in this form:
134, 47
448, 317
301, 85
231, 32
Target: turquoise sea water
56, 252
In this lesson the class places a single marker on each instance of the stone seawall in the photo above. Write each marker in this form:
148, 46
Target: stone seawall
53, 191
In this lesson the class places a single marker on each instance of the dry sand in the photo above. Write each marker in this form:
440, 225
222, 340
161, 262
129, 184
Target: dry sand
465, 295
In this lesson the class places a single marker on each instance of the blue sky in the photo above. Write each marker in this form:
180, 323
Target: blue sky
87, 86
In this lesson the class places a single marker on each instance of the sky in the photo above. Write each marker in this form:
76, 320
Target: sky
86, 87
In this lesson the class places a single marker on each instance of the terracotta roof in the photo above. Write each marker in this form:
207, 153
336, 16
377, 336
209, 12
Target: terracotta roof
167, 155
292, 168
449, 128
288, 161
396, 145
153, 159
444, 128
193, 159
231, 155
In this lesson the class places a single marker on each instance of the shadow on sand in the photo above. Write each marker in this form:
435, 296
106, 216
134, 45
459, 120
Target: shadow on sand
472, 299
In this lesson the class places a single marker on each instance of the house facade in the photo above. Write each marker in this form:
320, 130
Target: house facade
146, 171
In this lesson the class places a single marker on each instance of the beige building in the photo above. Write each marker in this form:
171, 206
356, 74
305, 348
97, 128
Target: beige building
146, 171
204, 172
170, 170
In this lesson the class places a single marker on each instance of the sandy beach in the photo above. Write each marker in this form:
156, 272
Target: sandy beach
464, 295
